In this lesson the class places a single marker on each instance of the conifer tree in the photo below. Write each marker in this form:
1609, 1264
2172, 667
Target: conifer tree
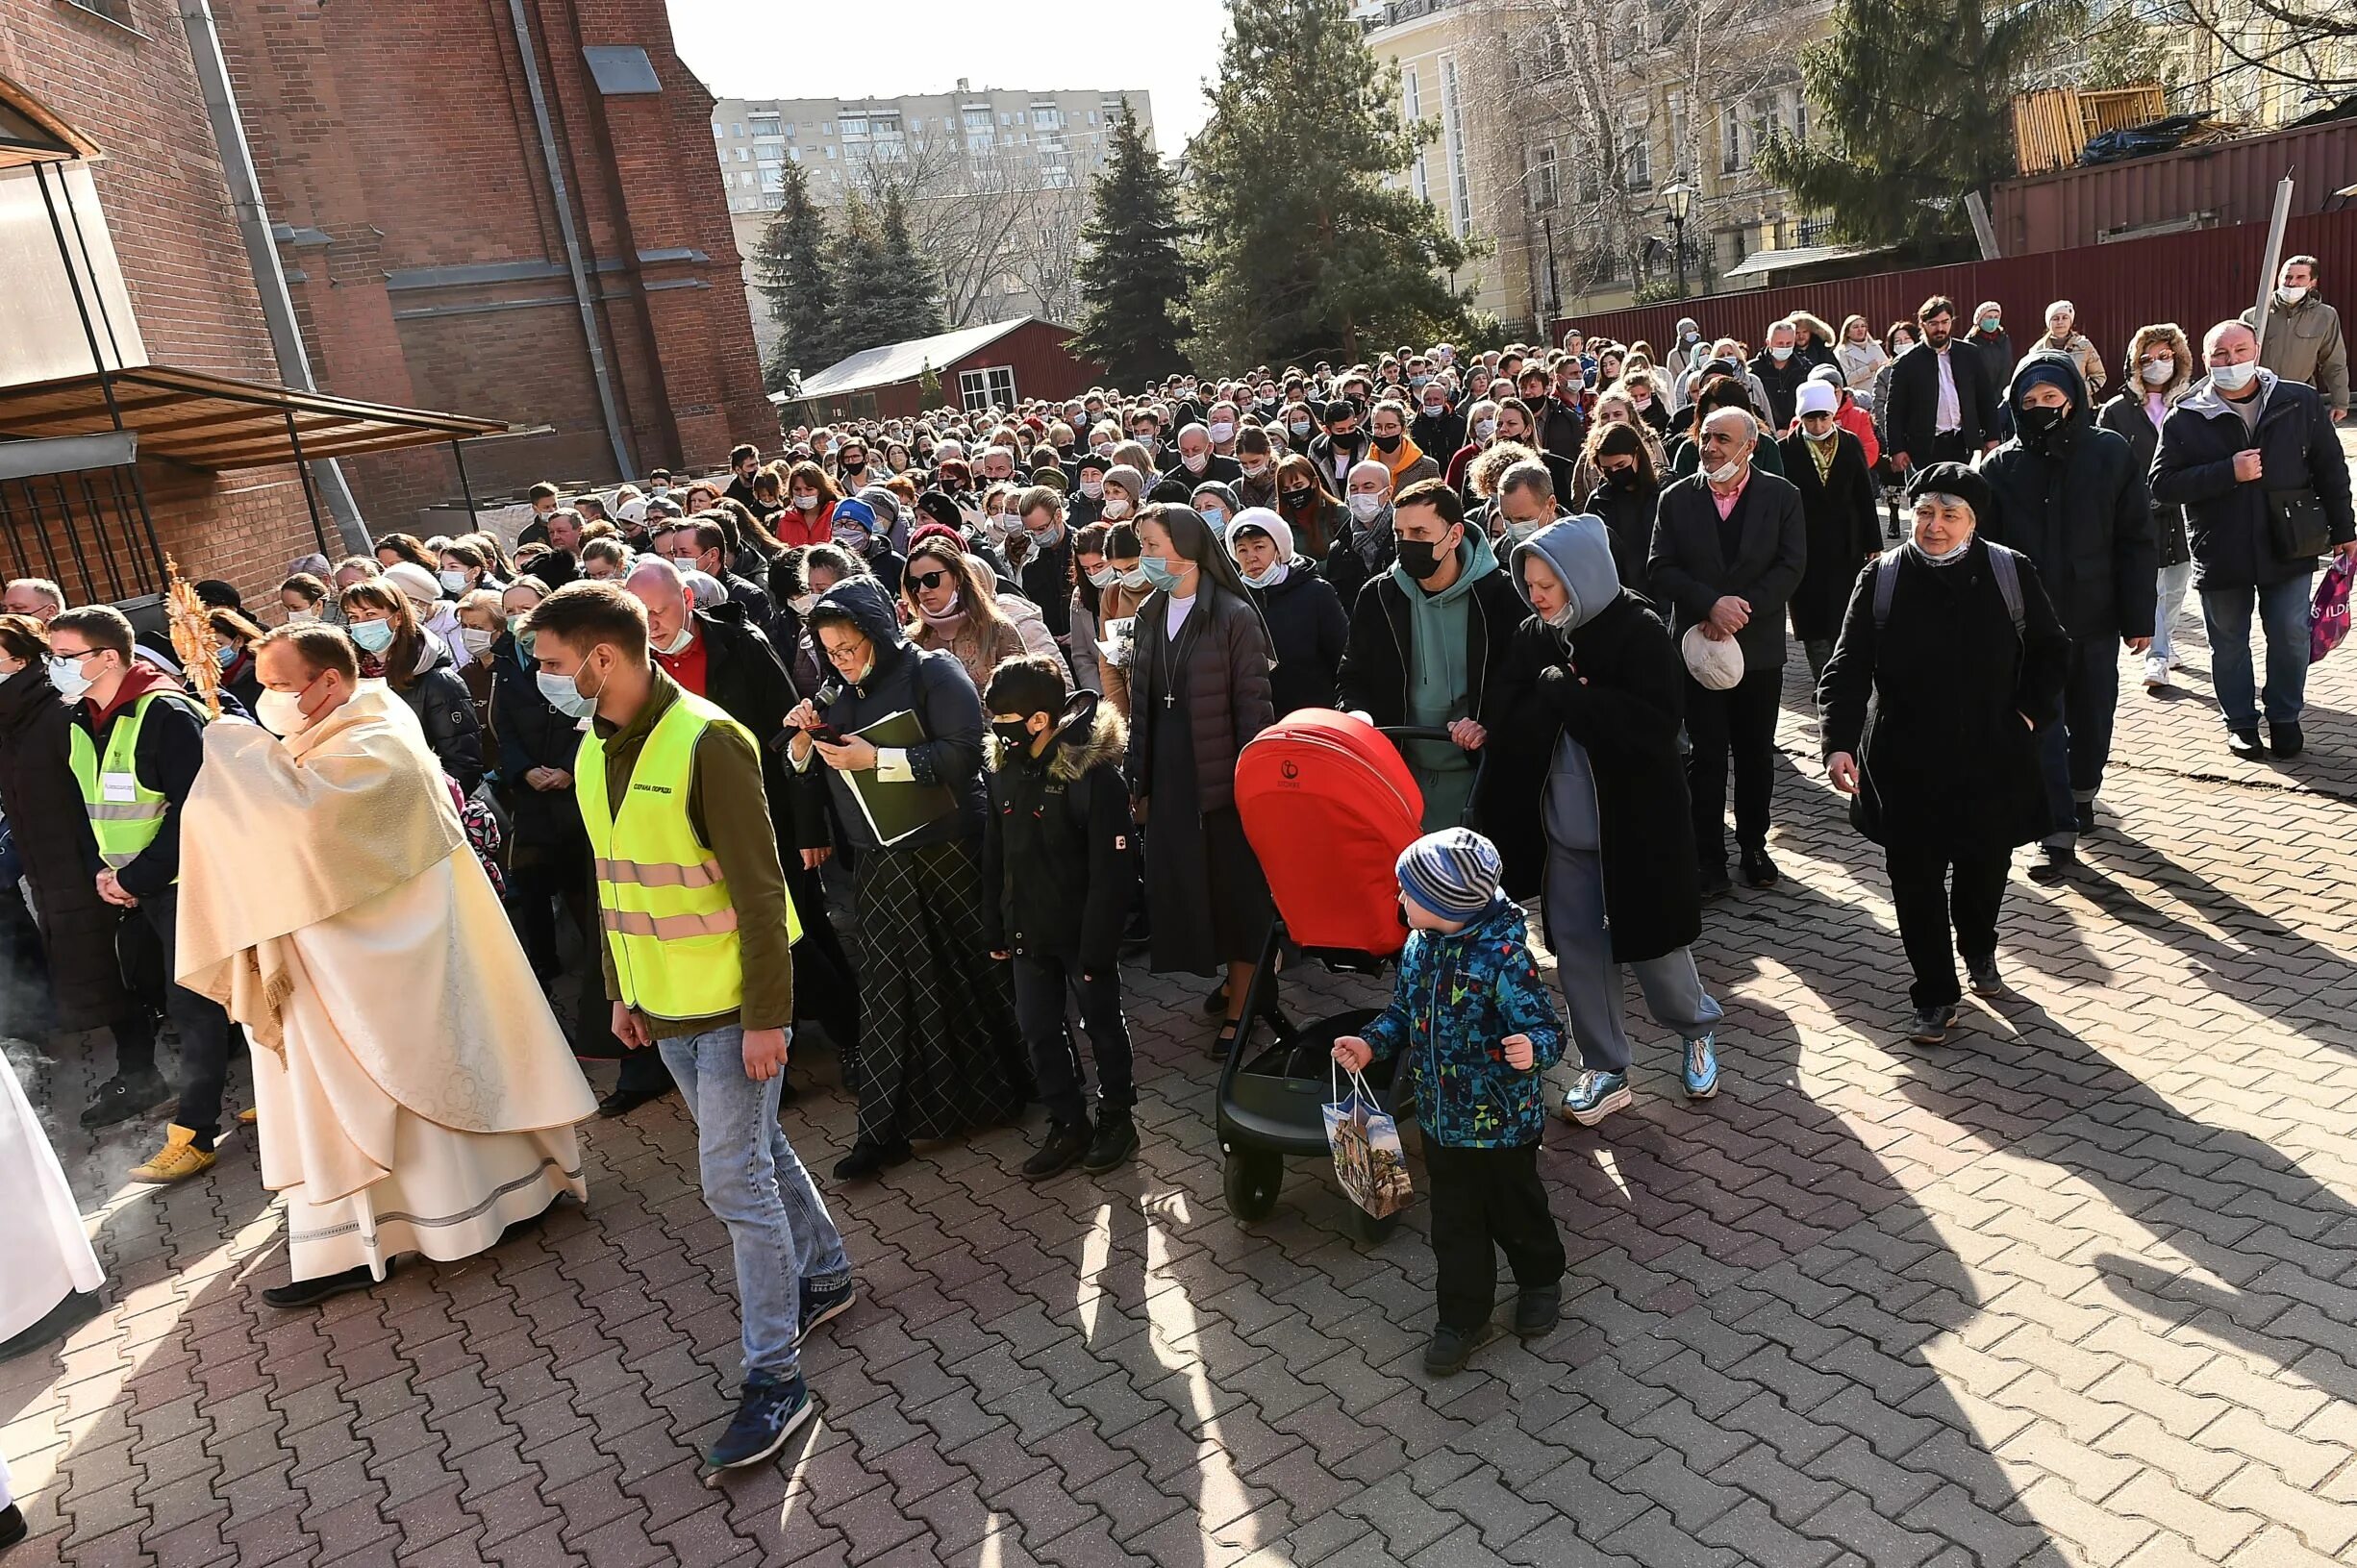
1303, 250
1133, 279
911, 289
790, 270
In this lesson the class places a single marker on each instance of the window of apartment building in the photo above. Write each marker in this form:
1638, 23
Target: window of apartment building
719, 131
795, 153
1762, 130
1047, 116
738, 128
979, 390
1636, 149
830, 153
1092, 116
744, 154
1543, 189
1410, 98
1796, 113
978, 120
853, 126
1005, 120
1677, 131
1731, 159
1452, 130
826, 128
1419, 181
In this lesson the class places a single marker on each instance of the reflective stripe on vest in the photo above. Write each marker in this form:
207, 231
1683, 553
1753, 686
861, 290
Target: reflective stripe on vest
123, 829
661, 899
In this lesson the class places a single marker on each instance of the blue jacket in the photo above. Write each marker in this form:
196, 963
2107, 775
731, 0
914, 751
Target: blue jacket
1458, 996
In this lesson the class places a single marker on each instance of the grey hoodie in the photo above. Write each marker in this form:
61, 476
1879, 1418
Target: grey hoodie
1579, 550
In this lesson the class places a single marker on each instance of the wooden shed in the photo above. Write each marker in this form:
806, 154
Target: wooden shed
994, 365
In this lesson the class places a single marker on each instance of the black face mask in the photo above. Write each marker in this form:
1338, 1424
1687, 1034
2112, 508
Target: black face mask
1621, 479
2038, 425
1297, 497
1017, 736
1387, 444
1420, 558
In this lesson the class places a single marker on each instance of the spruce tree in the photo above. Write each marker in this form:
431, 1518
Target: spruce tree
911, 289
1133, 280
1304, 251
1914, 96
867, 300
790, 270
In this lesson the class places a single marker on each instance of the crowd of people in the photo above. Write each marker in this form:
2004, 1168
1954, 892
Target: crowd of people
913, 730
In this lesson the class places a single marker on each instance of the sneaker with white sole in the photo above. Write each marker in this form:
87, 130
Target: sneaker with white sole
769, 1412
819, 1306
1595, 1095
2156, 674
1702, 1068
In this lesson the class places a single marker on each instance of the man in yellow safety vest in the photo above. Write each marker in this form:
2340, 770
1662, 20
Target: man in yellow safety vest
699, 937
137, 744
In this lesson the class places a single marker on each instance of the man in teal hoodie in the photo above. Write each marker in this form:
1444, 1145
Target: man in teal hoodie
1427, 639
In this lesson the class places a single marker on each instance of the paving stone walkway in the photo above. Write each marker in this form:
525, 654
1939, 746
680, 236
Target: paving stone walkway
2080, 1287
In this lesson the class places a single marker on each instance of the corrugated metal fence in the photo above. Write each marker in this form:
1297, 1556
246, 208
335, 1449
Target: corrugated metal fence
2195, 278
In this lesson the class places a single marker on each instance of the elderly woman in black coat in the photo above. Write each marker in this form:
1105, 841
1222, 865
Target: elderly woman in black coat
1307, 624
938, 1050
1950, 659
1591, 701
1199, 691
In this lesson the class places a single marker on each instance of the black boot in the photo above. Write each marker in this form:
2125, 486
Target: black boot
1116, 1142
869, 1159
1060, 1151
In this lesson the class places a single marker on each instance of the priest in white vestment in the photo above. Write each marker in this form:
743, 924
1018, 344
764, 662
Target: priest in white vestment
415, 1094
49, 1276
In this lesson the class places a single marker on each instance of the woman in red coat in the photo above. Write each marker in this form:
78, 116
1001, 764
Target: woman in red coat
808, 517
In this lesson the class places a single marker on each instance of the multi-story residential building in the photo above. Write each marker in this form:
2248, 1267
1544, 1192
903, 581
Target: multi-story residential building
1568, 202
969, 162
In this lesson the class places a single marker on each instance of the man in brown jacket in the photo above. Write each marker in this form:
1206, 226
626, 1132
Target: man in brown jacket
2302, 342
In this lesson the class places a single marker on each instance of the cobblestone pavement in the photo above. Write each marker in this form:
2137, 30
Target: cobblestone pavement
2078, 1287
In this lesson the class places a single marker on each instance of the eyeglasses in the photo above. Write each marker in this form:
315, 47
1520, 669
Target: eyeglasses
926, 581
844, 657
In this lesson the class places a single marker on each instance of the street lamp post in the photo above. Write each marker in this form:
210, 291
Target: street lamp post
1680, 198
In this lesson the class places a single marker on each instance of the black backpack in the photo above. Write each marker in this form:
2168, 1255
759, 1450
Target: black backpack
2004, 565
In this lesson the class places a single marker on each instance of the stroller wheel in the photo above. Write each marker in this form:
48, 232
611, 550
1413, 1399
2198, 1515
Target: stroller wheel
1250, 1181
1372, 1230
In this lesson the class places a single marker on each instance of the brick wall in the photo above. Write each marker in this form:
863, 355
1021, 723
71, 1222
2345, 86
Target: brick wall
437, 164
133, 90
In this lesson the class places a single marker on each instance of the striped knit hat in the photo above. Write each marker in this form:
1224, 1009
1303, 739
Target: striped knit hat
1453, 873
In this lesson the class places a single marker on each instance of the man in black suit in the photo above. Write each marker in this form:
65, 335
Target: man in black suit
1729, 546
1943, 404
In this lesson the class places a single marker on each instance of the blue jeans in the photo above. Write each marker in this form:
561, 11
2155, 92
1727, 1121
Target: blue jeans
2283, 617
2174, 583
757, 1186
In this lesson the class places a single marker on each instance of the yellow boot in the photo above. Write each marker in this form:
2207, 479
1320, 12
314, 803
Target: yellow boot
177, 1160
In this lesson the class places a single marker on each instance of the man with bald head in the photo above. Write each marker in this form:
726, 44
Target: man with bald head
2256, 464
1365, 548
710, 649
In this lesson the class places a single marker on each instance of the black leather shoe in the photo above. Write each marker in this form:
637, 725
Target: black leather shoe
622, 1101
13, 1525
1759, 871
77, 1309
312, 1292
2058, 862
1450, 1347
1116, 1142
869, 1159
1983, 975
1931, 1025
2285, 740
1060, 1151
121, 1098
1714, 880
1538, 1311
1217, 1002
2244, 744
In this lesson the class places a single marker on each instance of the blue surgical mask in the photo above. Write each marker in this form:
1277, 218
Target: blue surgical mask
225, 657
1158, 573
1269, 579
564, 695
373, 636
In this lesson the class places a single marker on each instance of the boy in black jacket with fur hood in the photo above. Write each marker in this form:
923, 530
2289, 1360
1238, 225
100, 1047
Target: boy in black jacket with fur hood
1061, 875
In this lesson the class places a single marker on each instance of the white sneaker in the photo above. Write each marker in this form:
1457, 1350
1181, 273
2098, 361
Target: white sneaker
2156, 674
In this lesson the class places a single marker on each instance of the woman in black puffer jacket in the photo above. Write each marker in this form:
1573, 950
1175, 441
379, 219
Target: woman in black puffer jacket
1305, 618
418, 666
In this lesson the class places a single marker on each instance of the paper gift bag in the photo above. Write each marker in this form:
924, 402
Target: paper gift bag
1368, 1159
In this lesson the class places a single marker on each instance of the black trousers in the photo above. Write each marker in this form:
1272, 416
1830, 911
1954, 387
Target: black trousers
1738, 725
1484, 1201
1920, 889
144, 944
1946, 446
1040, 984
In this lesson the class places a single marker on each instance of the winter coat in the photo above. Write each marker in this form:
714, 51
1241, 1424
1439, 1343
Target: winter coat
1932, 702
2078, 509
447, 713
1910, 408
59, 857
1227, 654
1783, 384
979, 646
743, 676
904, 679
532, 735
1561, 429
1456, 998
1690, 572
1860, 363
1844, 529
2230, 524
2125, 416
2303, 344
1628, 523
1379, 662
1613, 685
1114, 604
1046, 578
1088, 664
1324, 455
1059, 870
1443, 431
1308, 628
2077, 346
1998, 347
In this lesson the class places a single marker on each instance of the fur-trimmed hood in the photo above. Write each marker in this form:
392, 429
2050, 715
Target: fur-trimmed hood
1090, 731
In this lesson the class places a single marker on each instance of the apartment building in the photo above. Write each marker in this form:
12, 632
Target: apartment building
960, 145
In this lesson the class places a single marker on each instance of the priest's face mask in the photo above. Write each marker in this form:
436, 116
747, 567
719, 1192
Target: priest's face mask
302, 681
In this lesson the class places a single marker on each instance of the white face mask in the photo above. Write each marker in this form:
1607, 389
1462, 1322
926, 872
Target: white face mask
805, 502
1195, 462
679, 641
1134, 577
1102, 578
1725, 472
68, 676
475, 641
1484, 429
454, 581
301, 618
2233, 377
1269, 579
1254, 470
1366, 508
1780, 355
1825, 434
1222, 433
802, 604
2156, 372
281, 713
2291, 293
1116, 507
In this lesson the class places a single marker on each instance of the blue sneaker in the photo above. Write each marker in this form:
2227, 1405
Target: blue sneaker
771, 1411
1701, 1068
1595, 1094
820, 1305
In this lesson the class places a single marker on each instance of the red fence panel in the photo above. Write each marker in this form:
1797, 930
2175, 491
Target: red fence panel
2196, 279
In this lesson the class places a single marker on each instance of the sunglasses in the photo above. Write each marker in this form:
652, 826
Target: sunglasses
924, 581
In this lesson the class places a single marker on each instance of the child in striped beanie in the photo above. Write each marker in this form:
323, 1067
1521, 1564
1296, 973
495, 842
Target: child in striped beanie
1475, 1030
